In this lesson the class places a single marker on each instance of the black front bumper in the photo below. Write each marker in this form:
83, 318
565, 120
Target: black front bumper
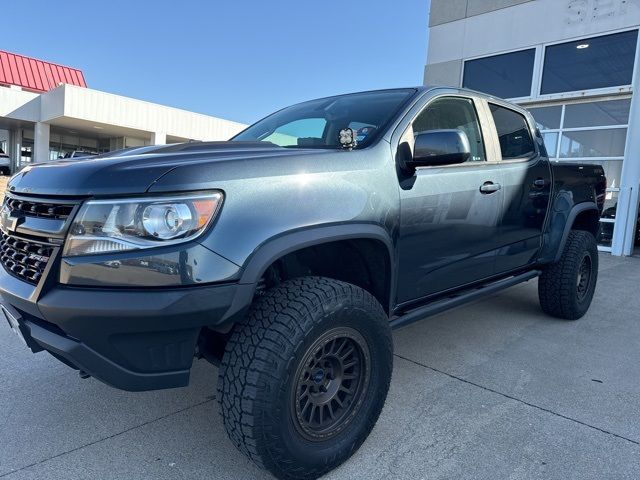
130, 339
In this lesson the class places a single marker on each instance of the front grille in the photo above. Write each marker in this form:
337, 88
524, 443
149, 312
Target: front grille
58, 211
25, 259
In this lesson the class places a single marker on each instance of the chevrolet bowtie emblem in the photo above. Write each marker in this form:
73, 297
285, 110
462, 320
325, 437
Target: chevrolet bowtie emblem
8, 222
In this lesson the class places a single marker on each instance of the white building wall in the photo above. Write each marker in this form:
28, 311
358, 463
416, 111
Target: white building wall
51, 104
101, 107
18, 104
84, 113
96, 107
524, 25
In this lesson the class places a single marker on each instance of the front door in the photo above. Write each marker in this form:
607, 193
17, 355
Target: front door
448, 215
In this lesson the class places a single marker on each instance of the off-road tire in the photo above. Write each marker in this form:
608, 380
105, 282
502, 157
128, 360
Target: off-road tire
262, 371
559, 287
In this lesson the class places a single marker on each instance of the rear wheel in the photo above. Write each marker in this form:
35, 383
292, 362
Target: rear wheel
566, 288
305, 376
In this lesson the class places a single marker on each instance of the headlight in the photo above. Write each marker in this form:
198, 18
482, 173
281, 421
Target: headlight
103, 226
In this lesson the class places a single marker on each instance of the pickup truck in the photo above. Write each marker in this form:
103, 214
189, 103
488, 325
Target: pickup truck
288, 254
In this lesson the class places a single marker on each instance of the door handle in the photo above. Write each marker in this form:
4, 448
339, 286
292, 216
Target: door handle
489, 187
540, 183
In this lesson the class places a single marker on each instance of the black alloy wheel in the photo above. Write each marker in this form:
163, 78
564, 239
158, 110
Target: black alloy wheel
566, 288
583, 281
305, 375
331, 383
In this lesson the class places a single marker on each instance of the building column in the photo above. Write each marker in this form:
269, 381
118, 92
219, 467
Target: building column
158, 138
627, 210
41, 142
15, 148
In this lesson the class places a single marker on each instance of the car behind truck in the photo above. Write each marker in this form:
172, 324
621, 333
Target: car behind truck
287, 255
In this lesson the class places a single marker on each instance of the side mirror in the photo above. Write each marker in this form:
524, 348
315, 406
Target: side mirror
440, 147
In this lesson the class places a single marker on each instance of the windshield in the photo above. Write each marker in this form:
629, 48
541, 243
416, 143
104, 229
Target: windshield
328, 122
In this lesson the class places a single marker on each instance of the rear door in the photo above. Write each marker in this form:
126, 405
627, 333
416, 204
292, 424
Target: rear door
525, 175
448, 224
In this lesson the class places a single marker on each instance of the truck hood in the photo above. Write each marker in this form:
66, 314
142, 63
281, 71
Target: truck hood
135, 171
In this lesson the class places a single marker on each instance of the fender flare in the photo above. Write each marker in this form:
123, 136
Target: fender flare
274, 248
554, 255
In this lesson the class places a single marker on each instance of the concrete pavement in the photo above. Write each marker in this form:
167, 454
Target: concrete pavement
492, 390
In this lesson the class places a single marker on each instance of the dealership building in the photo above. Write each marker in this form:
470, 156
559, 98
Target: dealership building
47, 112
574, 64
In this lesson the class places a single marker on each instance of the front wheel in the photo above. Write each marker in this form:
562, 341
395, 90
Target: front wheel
305, 376
566, 288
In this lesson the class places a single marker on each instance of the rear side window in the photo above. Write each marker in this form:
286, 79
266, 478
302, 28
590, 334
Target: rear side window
513, 132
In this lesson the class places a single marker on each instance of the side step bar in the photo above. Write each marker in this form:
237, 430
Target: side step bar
466, 296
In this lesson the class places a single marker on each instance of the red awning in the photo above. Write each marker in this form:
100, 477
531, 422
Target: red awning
36, 74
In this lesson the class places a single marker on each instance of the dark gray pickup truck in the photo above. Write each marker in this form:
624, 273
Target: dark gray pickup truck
287, 255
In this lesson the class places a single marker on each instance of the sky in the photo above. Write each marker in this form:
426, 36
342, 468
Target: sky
235, 59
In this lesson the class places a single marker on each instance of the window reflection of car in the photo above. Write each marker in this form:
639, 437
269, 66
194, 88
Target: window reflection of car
606, 228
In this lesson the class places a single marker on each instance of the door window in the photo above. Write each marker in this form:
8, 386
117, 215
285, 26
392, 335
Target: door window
513, 133
453, 113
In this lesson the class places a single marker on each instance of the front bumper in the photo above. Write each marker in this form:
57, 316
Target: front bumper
131, 339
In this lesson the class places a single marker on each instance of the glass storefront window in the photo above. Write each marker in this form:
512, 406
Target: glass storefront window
25, 153
547, 118
593, 143
588, 133
610, 204
508, 75
4, 140
608, 219
63, 143
593, 114
551, 142
612, 170
590, 63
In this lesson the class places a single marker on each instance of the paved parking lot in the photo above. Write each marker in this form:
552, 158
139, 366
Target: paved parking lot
3, 184
489, 391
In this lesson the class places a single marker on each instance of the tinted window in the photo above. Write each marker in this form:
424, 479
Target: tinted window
593, 114
453, 113
507, 76
597, 62
513, 133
